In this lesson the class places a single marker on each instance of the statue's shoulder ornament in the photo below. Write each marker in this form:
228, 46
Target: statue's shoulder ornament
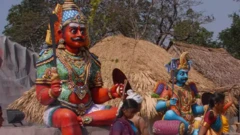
45, 56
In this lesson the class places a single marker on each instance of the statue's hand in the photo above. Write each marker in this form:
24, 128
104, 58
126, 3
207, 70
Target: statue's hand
173, 101
117, 90
80, 120
55, 82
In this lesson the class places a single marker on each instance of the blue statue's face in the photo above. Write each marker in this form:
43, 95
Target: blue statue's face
182, 77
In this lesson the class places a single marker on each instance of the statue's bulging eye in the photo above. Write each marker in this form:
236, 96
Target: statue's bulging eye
74, 31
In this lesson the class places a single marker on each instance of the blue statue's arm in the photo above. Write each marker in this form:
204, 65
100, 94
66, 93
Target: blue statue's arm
161, 105
197, 109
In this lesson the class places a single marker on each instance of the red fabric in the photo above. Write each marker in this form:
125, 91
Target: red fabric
208, 119
121, 127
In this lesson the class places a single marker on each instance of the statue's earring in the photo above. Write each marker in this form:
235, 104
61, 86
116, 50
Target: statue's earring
61, 44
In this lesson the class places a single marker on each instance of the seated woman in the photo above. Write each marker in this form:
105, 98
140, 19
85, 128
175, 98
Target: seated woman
139, 122
122, 125
212, 122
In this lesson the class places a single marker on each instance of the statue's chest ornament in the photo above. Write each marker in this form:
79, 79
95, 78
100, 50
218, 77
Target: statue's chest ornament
79, 85
81, 91
185, 97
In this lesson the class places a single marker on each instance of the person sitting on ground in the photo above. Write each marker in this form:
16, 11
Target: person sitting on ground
138, 121
123, 125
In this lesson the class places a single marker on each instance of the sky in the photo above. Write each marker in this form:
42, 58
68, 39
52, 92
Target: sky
220, 9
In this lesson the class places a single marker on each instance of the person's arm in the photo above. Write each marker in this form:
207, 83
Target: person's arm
209, 119
202, 130
117, 129
143, 127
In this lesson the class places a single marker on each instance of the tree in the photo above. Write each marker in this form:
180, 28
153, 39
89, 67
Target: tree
191, 32
230, 37
27, 23
175, 13
150, 20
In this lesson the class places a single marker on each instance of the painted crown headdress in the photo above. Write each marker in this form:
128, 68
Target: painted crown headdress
67, 13
179, 63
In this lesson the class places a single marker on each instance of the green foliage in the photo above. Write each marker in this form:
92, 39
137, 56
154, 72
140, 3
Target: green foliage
27, 23
230, 37
94, 5
189, 29
193, 34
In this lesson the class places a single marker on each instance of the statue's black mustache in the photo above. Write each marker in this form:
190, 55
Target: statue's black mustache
78, 39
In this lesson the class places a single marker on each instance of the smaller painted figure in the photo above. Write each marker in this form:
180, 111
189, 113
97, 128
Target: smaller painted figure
179, 103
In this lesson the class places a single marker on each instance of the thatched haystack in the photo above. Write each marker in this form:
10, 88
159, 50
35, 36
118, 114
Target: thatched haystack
141, 61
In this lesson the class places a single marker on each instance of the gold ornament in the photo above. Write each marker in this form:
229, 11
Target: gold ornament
61, 44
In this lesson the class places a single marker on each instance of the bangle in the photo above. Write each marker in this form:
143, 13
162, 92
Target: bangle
86, 120
109, 94
50, 93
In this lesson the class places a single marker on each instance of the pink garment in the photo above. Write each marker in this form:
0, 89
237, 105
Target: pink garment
121, 127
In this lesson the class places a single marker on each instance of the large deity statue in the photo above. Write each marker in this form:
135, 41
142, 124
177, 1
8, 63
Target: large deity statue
72, 88
178, 101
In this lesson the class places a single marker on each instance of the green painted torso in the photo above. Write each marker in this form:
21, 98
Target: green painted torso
82, 71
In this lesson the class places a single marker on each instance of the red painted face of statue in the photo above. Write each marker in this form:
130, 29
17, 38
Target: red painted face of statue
75, 36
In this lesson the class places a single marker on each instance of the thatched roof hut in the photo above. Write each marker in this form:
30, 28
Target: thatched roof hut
142, 62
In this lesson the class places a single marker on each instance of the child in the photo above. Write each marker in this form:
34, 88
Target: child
122, 125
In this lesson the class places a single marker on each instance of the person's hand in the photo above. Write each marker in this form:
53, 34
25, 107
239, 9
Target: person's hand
117, 91
173, 101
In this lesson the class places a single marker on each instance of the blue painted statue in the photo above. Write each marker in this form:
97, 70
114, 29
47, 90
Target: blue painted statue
178, 102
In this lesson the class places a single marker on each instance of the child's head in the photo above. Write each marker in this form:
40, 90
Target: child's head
217, 101
128, 109
137, 97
